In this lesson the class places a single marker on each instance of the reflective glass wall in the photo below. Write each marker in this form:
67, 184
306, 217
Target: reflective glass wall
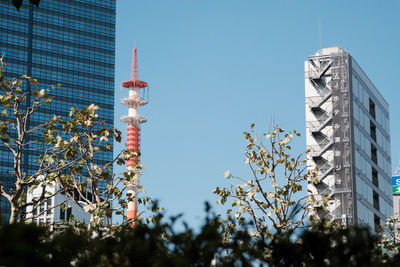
71, 43
372, 158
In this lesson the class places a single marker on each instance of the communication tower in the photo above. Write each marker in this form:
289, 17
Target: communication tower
136, 98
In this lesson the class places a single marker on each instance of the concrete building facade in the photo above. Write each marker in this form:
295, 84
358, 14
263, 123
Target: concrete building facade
347, 129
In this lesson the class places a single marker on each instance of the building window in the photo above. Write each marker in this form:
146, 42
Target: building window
374, 177
62, 214
49, 210
69, 213
34, 207
372, 130
76, 195
375, 197
377, 222
374, 154
372, 108
41, 207
89, 196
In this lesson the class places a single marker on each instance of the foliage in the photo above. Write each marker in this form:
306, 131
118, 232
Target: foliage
272, 195
89, 182
159, 244
17, 106
389, 238
69, 158
327, 246
18, 3
155, 244
32, 245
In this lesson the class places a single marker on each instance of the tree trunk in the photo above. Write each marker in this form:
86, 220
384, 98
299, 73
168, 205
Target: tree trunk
91, 222
14, 214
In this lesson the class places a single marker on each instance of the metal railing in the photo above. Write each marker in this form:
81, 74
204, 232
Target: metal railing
318, 126
318, 101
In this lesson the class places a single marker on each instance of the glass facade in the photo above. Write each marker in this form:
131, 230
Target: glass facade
71, 43
371, 151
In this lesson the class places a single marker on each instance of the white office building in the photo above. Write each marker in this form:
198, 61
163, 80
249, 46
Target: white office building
347, 122
50, 211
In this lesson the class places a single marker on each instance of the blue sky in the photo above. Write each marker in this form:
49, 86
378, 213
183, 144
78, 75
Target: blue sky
215, 67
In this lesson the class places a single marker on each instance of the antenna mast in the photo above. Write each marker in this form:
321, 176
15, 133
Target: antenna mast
133, 101
320, 35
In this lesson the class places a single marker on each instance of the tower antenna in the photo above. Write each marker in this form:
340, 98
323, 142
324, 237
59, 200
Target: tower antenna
133, 101
320, 35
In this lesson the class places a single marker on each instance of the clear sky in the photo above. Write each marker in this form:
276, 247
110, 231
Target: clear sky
216, 66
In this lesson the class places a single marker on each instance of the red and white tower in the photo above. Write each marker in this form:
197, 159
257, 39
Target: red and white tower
133, 101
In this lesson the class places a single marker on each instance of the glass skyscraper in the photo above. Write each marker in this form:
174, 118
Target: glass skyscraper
349, 139
71, 43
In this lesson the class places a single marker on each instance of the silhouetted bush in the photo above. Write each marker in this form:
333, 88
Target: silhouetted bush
159, 244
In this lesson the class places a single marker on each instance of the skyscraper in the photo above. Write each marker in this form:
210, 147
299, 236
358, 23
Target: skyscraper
348, 138
71, 43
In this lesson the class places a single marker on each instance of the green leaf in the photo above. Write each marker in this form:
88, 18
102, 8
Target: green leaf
120, 161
